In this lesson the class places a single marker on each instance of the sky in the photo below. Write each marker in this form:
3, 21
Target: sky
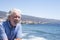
39, 8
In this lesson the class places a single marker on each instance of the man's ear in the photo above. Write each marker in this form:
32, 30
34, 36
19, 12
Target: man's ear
9, 17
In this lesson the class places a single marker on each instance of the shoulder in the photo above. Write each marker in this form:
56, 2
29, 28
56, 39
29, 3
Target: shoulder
18, 25
3, 23
1, 26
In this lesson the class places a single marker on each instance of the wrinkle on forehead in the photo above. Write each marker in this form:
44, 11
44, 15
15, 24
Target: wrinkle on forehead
16, 13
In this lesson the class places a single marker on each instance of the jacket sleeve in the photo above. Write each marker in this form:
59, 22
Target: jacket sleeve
3, 35
19, 32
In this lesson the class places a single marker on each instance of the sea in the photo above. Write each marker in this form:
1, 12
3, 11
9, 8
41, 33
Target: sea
40, 32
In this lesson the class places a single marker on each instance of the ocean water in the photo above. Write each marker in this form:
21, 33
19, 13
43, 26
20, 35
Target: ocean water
40, 32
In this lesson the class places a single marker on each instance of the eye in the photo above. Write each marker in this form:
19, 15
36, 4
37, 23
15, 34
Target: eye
16, 17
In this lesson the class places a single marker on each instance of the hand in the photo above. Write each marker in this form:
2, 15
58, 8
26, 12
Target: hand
17, 39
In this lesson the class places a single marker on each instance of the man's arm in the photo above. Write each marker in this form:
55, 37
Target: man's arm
19, 33
3, 35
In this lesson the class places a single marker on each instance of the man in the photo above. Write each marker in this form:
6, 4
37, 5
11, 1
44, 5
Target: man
11, 28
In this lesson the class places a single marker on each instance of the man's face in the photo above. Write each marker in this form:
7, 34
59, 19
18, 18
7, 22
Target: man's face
15, 18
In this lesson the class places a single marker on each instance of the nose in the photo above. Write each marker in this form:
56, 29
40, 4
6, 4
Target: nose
18, 18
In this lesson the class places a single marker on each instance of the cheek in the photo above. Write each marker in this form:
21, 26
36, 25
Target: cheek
12, 20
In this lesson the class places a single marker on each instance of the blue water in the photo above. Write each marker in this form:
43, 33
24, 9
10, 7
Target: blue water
40, 32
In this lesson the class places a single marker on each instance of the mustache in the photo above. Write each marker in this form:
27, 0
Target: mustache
16, 21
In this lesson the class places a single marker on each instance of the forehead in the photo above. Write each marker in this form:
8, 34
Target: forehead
16, 13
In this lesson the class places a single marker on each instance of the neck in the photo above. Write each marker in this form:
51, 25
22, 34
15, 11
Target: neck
12, 24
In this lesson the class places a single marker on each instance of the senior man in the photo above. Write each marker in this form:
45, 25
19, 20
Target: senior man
11, 28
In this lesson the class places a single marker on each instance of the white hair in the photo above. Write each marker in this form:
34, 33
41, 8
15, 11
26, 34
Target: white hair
11, 12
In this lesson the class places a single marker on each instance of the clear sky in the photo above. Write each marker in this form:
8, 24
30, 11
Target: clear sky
40, 8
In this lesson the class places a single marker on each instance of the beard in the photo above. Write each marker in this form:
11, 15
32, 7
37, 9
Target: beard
16, 21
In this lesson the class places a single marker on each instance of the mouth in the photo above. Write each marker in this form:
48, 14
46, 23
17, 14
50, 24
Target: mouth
16, 21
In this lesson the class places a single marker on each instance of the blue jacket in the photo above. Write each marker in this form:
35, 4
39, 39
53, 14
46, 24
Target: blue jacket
9, 32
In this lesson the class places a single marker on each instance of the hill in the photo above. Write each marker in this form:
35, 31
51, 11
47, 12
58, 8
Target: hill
32, 20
